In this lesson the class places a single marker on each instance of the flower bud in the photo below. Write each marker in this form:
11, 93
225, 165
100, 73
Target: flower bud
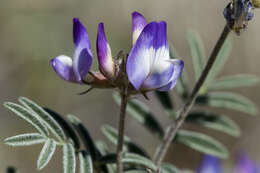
106, 62
256, 3
238, 13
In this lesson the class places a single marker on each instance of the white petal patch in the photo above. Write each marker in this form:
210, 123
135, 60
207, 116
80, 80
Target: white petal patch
178, 66
136, 34
109, 65
63, 67
65, 59
158, 57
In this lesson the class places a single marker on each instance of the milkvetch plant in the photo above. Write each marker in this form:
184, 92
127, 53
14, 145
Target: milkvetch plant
150, 65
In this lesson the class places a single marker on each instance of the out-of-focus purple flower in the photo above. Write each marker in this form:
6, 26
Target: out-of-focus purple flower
238, 13
75, 70
245, 165
211, 164
149, 65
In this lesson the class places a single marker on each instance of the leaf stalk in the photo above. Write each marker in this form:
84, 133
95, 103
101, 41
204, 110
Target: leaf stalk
174, 127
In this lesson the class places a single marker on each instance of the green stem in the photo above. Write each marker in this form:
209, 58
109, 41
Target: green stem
121, 129
171, 133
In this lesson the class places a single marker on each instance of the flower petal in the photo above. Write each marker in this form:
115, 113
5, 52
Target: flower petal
160, 76
228, 12
161, 69
178, 67
249, 15
82, 55
138, 61
148, 62
105, 59
63, 67
239, 8
80, 34
138, 24
210, 164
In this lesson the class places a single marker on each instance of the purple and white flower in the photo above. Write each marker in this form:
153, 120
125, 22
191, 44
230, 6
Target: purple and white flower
107, 64
238, 13
75, 70
149, 65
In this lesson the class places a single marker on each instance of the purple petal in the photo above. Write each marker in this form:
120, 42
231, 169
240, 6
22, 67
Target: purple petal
63, 67
82, 55
159, 76
210, 164
148, 62
106, 63
138, 24
161, 69
178, 67
138, 61
80, 34
245, 165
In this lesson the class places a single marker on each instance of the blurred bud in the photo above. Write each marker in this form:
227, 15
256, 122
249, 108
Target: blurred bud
107, 65
256, 3
238, 13
11, 169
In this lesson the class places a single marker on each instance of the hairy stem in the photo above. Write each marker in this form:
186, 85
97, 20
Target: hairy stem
171, 133
121, 129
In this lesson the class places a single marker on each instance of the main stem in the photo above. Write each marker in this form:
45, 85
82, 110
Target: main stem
121, 129
171, 133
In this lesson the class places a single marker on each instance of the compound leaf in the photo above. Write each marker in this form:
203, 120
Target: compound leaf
25, 139
202, 143
45, 117
69, 158
28, 116
46, 153
235, 81
228, 100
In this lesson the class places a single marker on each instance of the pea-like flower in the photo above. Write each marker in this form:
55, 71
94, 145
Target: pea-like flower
238, 13
148, 66
211, 164
77, 70
107, 64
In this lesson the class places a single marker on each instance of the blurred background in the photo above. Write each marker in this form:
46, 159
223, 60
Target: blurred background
34, 31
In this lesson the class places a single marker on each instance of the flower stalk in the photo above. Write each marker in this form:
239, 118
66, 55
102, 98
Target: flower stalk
121, 129
174, 127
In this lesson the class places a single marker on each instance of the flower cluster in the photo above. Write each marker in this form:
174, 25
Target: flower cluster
147, 67
212, 164
238, 13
